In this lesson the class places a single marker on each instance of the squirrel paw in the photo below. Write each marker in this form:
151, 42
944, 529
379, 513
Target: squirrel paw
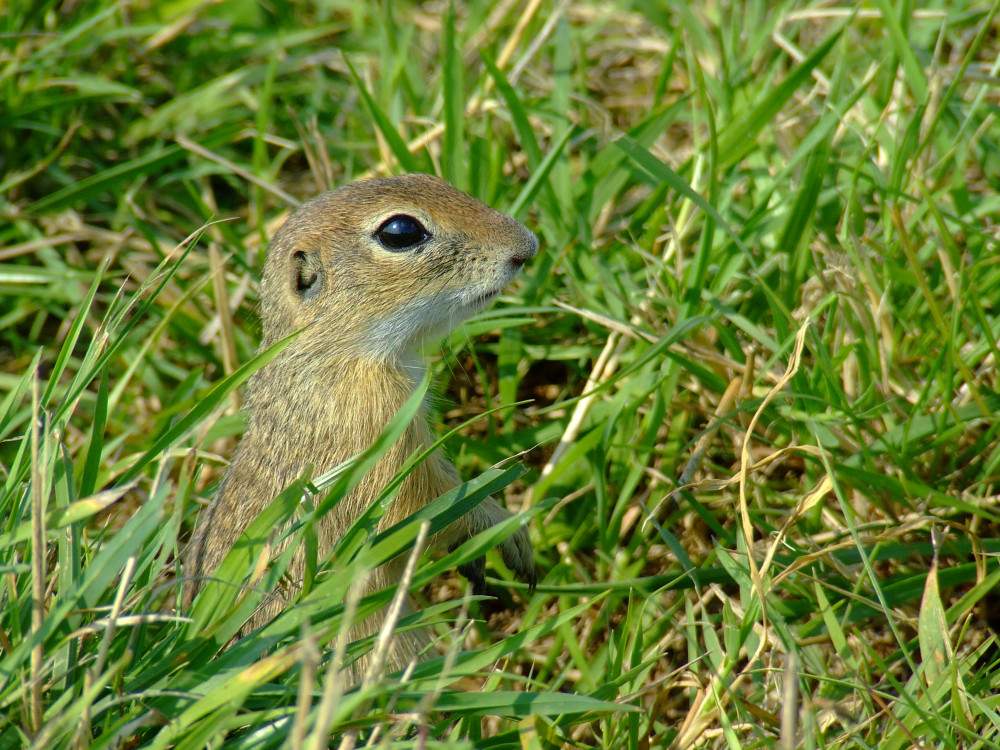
519, 556
515, 550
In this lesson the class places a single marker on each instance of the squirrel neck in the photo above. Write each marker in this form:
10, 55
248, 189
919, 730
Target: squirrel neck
301, 412
323, 411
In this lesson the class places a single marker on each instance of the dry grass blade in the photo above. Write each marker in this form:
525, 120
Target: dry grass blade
377, 658
39, 493
194, 148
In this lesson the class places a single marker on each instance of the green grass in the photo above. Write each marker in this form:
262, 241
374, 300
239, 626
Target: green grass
757, 355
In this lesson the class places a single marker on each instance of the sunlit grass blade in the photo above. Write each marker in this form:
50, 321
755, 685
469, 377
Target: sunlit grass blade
738, 136
407, 160
652, 167
538, 178
454, 161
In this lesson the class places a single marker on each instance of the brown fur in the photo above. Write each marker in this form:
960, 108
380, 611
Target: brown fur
332, 391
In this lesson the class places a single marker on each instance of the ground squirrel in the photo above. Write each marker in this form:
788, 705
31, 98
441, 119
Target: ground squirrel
369, 273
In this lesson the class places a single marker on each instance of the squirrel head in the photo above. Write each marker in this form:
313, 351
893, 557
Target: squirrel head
379, 267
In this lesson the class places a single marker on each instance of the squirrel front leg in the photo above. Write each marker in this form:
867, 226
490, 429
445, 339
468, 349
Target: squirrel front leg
516, 550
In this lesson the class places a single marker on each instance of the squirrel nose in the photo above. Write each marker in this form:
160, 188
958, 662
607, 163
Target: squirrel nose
526, 251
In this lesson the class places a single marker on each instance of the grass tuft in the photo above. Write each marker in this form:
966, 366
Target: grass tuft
751, 378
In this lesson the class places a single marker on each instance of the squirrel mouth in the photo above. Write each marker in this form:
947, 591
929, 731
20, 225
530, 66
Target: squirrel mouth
484, 299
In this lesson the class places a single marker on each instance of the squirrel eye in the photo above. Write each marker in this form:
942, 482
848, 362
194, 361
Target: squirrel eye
401, 232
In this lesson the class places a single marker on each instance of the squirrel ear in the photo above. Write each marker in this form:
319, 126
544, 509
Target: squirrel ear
307, 273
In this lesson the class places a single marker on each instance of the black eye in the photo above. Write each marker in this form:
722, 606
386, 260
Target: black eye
401, 232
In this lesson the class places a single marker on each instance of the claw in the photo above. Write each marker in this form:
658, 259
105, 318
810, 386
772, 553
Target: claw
531, 579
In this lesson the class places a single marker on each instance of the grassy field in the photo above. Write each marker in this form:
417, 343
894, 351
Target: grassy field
751, 377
